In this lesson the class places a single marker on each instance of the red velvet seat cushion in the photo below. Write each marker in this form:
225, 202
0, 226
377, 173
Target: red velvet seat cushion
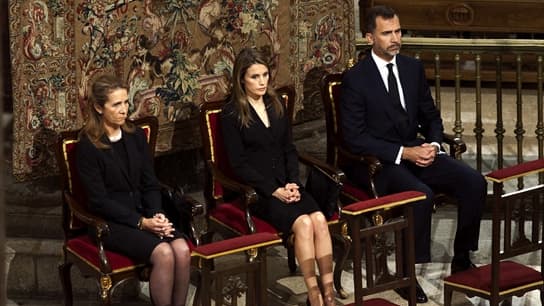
233, 217
334, 218
512, 275
236, 244
85, 249
387, 201
375, 302
517, 170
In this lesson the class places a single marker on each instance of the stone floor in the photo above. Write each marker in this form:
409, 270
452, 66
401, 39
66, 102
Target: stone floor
286, 289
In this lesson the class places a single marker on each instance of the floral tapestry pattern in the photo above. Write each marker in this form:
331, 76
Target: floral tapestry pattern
173, 55
322, 35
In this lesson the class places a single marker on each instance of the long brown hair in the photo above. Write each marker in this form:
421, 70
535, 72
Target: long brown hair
101, 88
246, 58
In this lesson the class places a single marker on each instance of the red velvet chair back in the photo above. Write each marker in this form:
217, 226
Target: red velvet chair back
330, 93
71, 181
331, 85
213, 146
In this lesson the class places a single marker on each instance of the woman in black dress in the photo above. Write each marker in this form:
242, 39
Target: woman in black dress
116, 169
257, 137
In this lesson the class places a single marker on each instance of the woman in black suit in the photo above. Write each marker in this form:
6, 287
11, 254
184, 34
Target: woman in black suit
115, 166
257, 137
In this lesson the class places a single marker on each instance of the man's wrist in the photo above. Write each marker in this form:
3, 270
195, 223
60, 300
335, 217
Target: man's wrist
436, 146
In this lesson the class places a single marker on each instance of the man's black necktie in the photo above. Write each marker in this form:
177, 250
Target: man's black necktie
393, 88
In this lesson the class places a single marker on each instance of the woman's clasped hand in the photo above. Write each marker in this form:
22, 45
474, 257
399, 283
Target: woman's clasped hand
159, 225
288, 194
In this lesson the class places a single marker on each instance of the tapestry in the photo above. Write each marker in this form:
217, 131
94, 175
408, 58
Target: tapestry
173, 55
322, 39
43, 82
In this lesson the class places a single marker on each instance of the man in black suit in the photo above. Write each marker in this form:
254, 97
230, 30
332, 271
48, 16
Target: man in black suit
385, 103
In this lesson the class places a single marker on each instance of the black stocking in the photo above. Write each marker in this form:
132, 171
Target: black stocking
161, 281
182, 255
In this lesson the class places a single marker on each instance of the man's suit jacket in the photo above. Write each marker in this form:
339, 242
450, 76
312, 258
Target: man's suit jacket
264, 158
113, 193
370, 122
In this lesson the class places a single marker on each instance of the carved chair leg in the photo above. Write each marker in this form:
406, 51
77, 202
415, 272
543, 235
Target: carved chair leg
507, 301
341, 256
66, 282
447, 296
206, 283
198, 290
291, 260
105, 286
262, 278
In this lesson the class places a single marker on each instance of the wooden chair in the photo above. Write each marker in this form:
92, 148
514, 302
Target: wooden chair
228, 200
517, 229
338, 155
108, 268
373, 237
225, 281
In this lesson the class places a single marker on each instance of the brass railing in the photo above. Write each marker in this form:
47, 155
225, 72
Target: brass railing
465, 71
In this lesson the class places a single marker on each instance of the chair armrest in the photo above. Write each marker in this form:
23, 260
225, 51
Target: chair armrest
182, 209
83, 214
248, 193
336, 177
456, 144
97, 223
333, 173
373, 163
186, 203
385, 202
513, 172
196, 209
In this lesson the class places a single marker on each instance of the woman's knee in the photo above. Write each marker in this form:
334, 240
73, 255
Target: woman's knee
320, 222
181, 248
303, 225
162, 253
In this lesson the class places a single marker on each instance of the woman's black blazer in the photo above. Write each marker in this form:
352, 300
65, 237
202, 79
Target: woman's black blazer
113, 193
264, 158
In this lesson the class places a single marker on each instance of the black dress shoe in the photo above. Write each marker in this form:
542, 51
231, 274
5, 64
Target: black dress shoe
461, 265
404, 293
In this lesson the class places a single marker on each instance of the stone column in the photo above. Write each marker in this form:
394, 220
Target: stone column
9, 255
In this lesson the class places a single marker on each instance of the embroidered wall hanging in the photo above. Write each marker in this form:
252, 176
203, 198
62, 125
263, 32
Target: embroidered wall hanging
173, 54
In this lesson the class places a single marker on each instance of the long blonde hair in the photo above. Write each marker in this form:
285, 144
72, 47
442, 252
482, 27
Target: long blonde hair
246, 58
94, 129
